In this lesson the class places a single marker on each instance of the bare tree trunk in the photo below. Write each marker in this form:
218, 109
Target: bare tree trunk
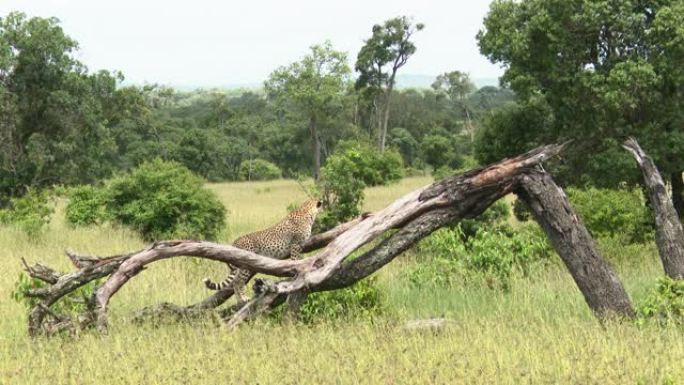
678, 192
385, 118
669, 233
595, 278
316, 147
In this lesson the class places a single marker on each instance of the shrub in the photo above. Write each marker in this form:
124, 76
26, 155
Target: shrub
496, 215
259, 169
610, 213
158, 199
346, 173
363, 300
341, 192
86, 206
665, 304
500, 253
31, 212
490, 255
370, 166
443, 172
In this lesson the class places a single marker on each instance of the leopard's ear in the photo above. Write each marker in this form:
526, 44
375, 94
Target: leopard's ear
319, 203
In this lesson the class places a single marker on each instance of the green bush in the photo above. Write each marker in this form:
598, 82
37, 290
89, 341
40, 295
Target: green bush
443, 172
363, 300
31, 212
372, 167
158, 199
496, 215
346, 173
86, 206
341, 192
610, 213
492, 256
259, 169
665, 304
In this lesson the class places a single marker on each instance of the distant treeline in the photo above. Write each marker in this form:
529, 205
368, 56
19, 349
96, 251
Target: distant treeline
61, 124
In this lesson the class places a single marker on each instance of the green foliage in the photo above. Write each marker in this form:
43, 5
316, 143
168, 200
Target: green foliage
521, 210
611, 213
54, 126
491, 256
665, 303
382, 55
405, 143
347, 172
442, 149
341, 191
363, 300
512, 130
387, 49
315, 86
496, 215
443, 172
598, 95
164, 199
370, 166
71, 304
86, 206
259, 169
31, 212
158, 199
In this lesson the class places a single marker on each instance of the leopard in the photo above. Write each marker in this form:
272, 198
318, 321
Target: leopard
282, 240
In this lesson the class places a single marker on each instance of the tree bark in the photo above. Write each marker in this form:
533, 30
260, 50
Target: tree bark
669, 233
385, 117
595, 278
678, 192
316, 147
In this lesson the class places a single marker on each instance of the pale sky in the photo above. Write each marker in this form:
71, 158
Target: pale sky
217, 43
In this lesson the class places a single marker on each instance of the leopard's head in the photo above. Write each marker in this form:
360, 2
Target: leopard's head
310, 208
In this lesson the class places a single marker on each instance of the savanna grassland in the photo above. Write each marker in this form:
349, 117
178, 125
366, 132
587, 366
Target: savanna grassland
539, 332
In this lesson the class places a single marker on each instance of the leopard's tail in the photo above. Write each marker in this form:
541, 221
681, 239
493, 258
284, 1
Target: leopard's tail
226, 283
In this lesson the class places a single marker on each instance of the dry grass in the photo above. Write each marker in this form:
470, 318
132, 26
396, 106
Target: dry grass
541, 332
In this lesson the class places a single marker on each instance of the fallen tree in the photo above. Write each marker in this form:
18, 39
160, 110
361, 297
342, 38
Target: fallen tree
413, 216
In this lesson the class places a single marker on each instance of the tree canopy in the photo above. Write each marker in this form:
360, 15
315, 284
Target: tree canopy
607, 69
378, 61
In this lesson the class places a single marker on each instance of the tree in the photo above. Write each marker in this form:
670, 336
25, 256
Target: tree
606, 68
57, 118
378, 61
315, 86
457, 85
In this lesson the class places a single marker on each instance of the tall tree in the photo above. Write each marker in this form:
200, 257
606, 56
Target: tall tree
378, 61
315, 86
457, 85
54, 123
607, 69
